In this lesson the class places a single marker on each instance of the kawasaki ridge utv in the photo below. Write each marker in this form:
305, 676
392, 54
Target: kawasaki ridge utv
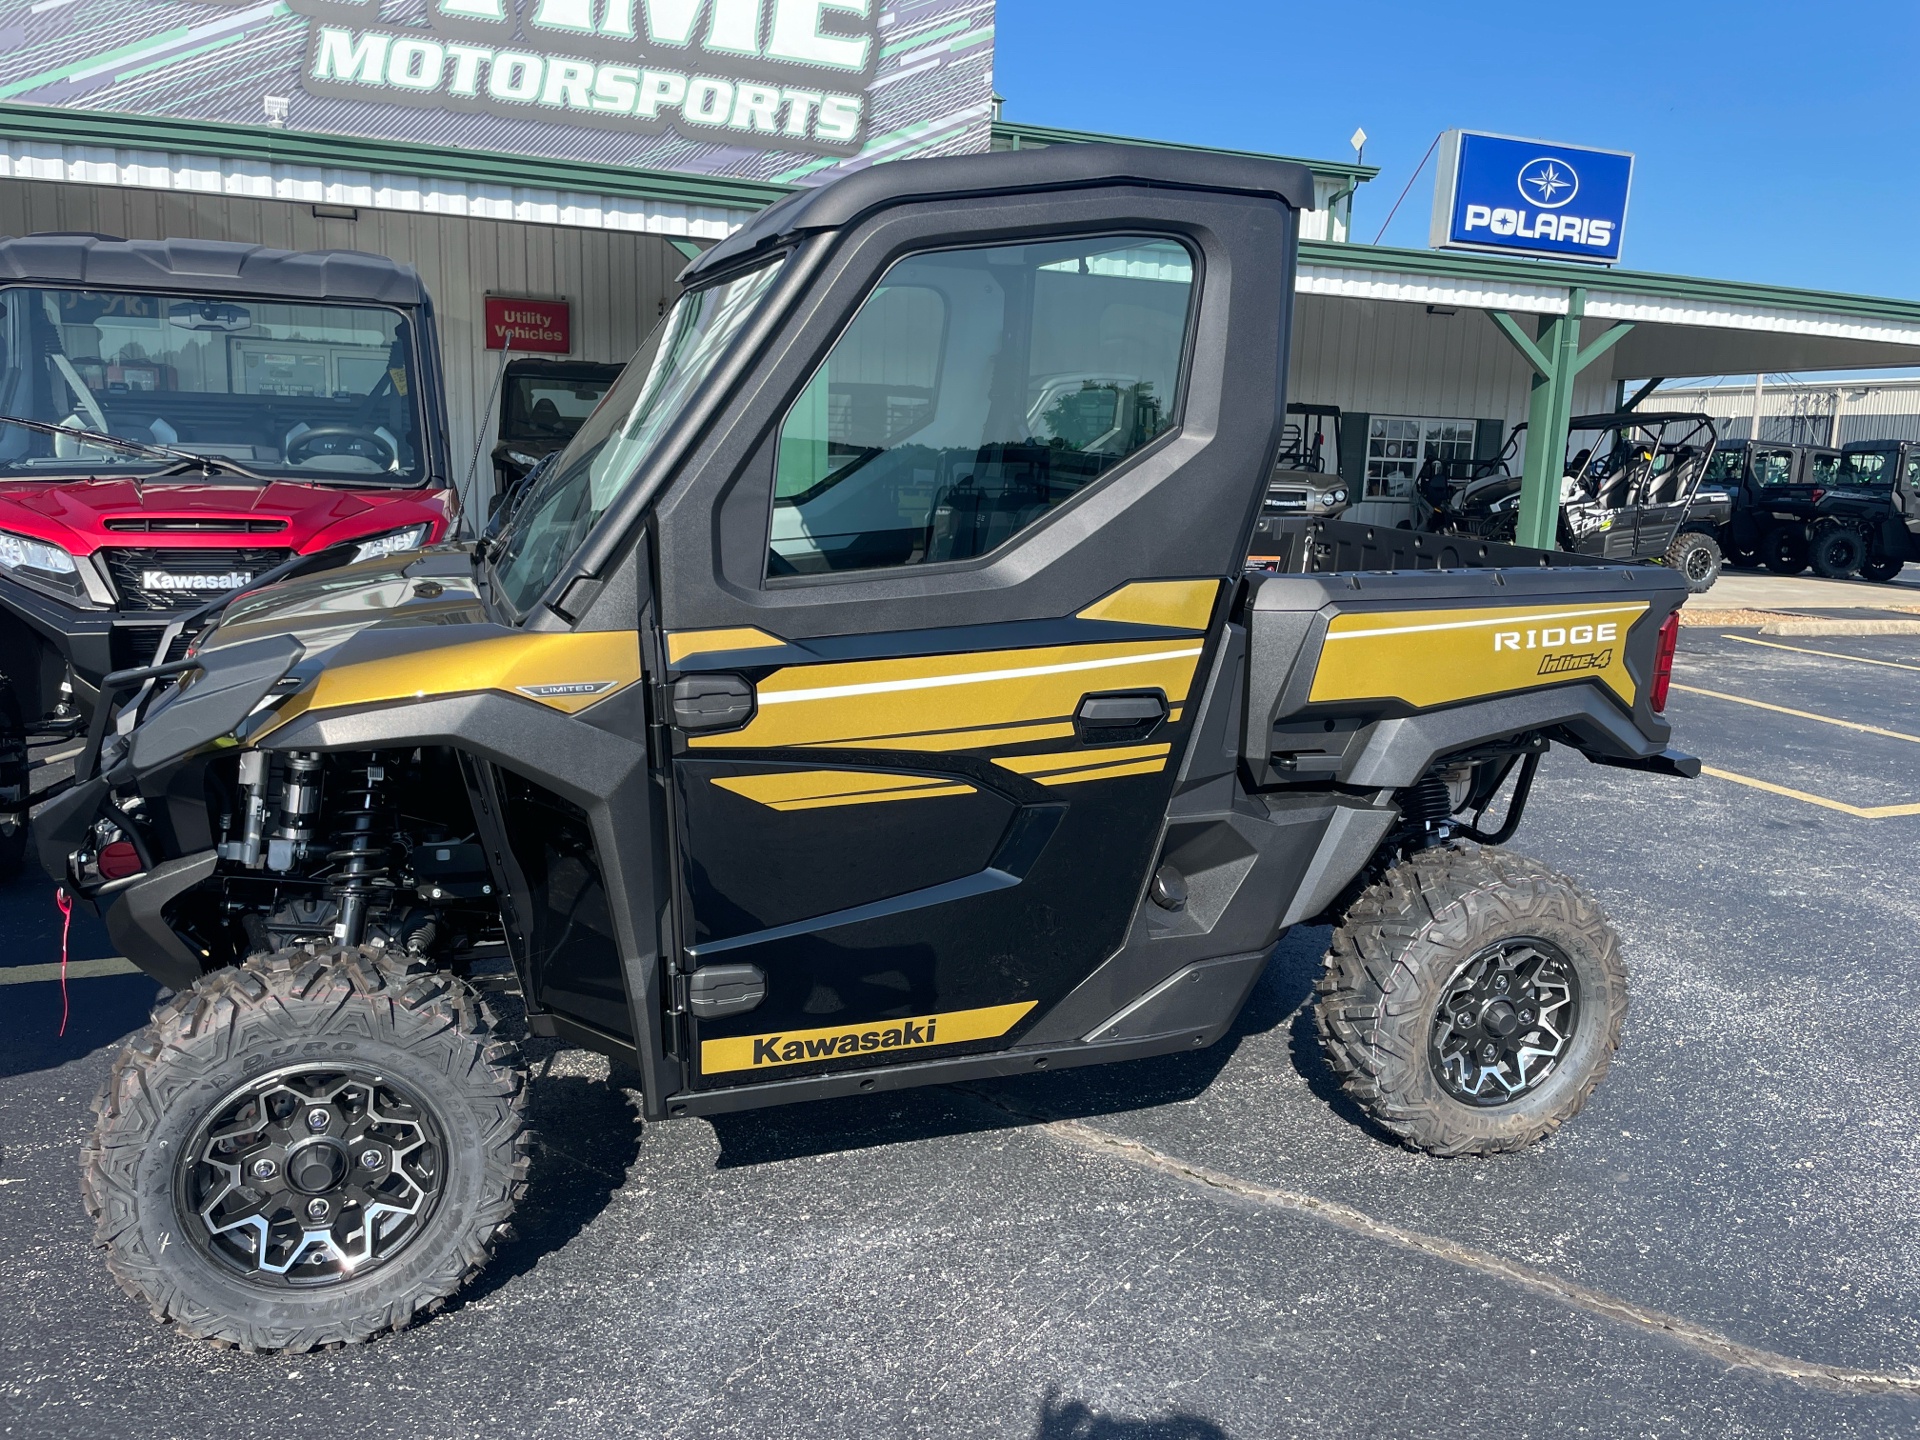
178, 418
870, 695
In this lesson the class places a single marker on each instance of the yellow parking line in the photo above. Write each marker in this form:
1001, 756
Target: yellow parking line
1798, 714
1859, 812
1830, 654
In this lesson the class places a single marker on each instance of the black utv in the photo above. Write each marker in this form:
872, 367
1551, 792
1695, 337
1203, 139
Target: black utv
871, 694
1633, 488
1864, 521
1773, 487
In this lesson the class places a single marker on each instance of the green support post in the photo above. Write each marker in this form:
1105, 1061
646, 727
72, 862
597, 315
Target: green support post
1556, 358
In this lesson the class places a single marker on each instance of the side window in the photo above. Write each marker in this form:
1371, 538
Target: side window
1773, 467
1865, 467
1826, 469
975, 391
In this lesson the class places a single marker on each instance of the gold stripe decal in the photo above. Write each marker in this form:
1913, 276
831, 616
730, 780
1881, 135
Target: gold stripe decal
1179, 604
1068, 767
922, 694
922, 1032
1432, 657
816, 789
682, 643
564, 671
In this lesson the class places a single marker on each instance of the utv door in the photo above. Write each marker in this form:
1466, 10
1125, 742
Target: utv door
937, 602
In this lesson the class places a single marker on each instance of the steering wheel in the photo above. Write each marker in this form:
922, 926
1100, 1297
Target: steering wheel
355, 440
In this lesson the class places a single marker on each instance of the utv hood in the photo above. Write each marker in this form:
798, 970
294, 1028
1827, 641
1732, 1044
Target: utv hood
84, 515
418, 587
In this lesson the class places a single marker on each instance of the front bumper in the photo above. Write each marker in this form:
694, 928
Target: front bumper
92, 643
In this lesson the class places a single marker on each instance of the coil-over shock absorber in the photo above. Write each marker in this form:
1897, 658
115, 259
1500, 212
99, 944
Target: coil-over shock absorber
360, 852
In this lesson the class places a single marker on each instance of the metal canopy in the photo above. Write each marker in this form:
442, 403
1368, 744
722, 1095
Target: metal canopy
1562, 318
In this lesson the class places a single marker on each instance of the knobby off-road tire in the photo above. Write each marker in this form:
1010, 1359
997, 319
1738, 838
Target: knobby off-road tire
1783, 550
367, 1090
1838, 552
1696, 558
1880, 569
1430, 939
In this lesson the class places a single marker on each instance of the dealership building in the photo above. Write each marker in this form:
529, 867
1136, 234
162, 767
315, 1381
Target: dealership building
538, 173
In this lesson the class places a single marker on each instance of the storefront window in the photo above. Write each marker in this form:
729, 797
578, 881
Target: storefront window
1399, 448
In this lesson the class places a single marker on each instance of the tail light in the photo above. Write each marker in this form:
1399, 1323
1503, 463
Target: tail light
1663, 662
1818, 492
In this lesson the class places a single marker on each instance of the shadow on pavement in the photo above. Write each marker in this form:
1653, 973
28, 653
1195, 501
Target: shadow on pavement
587, 1138
1072, 1420
863, 1122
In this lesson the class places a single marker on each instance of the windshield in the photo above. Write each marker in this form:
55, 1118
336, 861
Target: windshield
550, 407
311, 392
610, 448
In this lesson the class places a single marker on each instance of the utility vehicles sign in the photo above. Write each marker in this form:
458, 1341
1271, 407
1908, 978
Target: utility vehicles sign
1495, 192
785, 90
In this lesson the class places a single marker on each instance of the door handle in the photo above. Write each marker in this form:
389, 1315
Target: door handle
1119, 715
712, 702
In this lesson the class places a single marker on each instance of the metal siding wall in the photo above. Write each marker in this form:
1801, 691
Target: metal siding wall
619, 283
1390, 359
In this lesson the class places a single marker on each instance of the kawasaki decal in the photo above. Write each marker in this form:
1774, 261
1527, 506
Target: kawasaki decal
918, 1032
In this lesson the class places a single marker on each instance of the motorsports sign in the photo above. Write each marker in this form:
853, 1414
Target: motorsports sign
1533, 197
786, 90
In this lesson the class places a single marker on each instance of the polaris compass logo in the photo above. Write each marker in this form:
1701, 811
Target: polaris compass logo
1547, 186
170, 580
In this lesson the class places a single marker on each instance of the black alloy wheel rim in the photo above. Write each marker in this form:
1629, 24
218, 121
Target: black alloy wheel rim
1699, 563
310, 1176
1506, 1019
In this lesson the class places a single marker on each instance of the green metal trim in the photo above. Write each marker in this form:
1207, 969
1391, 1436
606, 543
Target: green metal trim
1014, 136
686, 248
1557, 359
112, 130
1464, 265
1521, 341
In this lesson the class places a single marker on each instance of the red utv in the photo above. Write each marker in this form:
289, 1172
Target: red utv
177, 419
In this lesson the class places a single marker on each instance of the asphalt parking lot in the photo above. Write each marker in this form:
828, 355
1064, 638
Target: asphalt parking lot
1725, 1242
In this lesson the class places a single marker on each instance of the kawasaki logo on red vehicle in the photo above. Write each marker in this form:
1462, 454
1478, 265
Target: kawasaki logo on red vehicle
169, 580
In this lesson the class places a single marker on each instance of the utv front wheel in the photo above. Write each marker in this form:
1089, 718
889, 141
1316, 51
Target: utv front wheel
1838, 552
307, 1150
1471, 1000
1783, 550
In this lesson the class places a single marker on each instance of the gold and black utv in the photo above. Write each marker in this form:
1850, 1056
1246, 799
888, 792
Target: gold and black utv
872, 694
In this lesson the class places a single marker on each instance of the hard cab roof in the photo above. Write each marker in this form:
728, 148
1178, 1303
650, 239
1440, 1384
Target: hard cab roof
1056, 167
199, 266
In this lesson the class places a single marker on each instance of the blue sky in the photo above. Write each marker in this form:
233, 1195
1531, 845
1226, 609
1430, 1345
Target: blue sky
1773, 142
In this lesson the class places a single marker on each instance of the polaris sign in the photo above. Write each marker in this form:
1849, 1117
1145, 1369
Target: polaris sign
1495, 192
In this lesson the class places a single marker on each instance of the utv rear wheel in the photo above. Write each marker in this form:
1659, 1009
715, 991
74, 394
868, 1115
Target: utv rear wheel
1881, 569
1471, 1000
1838, 552
1696, 557
15, 782
307, 1150
1783, 550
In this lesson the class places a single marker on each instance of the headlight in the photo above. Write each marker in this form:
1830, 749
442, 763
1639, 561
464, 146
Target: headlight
38, 563
520, 457
391, 543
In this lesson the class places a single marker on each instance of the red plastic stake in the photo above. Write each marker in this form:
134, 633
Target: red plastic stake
65, 902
